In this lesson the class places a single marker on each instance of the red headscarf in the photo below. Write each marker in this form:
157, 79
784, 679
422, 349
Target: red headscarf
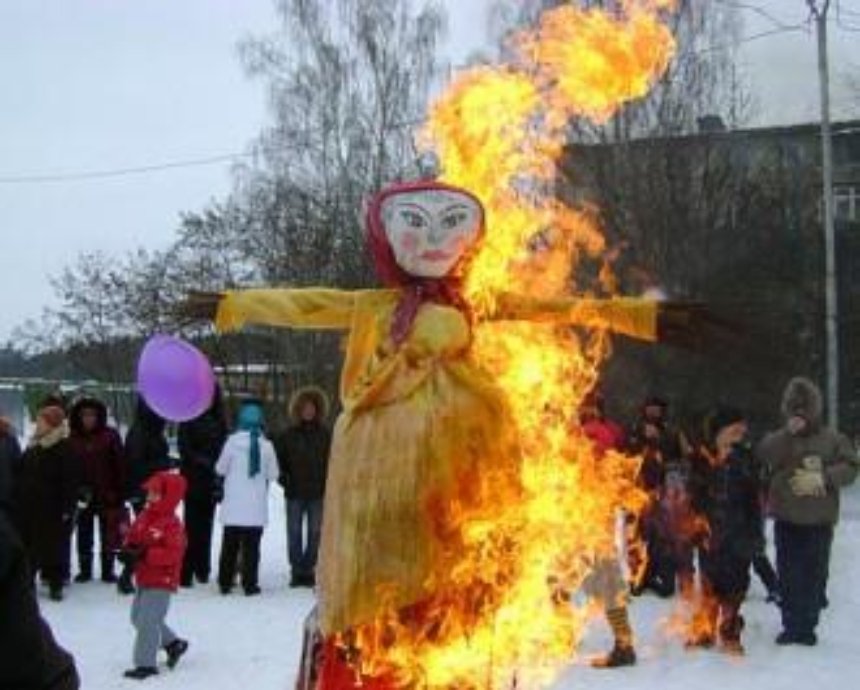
415, 290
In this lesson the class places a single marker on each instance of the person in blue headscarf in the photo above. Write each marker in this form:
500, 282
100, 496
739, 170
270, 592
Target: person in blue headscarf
248, 465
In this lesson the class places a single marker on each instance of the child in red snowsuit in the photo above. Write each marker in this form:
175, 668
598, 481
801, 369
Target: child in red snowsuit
156, 545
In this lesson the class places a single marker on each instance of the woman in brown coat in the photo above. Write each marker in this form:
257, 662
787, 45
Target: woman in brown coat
45, 497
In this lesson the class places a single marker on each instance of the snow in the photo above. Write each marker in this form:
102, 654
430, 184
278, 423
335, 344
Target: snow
238, 641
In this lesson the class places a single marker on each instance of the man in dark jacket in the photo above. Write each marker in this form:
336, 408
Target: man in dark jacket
98, 448
725, 495
200, 444
303, 451
808, 464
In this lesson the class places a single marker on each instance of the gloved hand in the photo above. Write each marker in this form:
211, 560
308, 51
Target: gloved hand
129, 555
806, 482
137, 503
124, 584
85, 498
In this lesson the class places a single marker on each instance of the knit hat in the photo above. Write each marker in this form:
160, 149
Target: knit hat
721, 418
53, 415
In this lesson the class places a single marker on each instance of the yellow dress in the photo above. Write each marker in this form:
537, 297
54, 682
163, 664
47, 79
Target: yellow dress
424, 441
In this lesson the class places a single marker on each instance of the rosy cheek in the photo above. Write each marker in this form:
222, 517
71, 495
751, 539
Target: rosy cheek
409, 243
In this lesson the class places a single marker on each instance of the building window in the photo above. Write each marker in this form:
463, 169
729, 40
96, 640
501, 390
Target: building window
846, 202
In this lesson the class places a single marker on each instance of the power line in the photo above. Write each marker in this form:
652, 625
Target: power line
39, 178
760, 11
804, 27
43, 178
121, 172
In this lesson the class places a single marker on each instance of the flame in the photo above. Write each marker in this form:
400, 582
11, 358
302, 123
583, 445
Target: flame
500, 132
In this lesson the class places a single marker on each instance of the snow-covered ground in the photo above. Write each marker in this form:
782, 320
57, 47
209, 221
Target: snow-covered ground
254, 642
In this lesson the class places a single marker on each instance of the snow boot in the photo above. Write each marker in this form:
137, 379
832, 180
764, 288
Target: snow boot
141, 672
787, 637
108, 574
175, 650
620, 655
85, 572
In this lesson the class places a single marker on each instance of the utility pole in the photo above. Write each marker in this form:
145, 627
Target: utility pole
819, 12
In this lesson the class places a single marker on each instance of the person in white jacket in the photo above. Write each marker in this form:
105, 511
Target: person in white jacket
248, 464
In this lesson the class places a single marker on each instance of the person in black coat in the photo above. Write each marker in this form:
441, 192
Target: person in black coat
10, 458
31, 659
200, 444
662, 475
45, 495
303, 451
725, 490
146, 452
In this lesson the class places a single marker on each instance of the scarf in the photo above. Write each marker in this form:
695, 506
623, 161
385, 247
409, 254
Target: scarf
420, 291
251, 420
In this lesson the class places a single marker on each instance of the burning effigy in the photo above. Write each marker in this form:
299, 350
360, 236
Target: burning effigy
460, 500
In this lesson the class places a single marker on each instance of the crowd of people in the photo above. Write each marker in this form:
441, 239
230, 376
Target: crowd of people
711, 490
710, 493
76, 472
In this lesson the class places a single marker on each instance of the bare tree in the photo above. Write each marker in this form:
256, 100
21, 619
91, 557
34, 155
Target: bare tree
348, 82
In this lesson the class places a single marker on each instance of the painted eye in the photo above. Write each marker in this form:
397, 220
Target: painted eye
414, 220
452, 220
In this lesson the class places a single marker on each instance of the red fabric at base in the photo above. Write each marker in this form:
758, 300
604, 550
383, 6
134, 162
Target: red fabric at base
336, 674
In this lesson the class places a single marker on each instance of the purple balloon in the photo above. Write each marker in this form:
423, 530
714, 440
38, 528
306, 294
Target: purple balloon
175, 378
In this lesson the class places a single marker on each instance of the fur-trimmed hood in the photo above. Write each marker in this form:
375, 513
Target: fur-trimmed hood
802, 398
171, 486
87, 403
313, 393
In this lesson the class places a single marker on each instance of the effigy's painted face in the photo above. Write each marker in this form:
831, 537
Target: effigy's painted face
430, 230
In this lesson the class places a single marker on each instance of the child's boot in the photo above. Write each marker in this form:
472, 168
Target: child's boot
175, 650
622, 653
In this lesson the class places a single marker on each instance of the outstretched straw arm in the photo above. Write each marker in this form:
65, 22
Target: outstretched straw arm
686, 324
290, 307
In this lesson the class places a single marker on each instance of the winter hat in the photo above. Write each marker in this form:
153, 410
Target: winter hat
655, 401
802, 398
251, 420
171, 486
53, 415
724, 416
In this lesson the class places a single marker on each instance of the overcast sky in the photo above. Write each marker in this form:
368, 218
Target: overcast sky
104, 84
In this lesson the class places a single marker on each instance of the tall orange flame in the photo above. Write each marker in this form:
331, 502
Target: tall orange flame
499, 132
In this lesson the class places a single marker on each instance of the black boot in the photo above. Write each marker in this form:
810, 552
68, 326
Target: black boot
55, 591
141, 673
108, 574
175, 650
620, 655
85, 572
